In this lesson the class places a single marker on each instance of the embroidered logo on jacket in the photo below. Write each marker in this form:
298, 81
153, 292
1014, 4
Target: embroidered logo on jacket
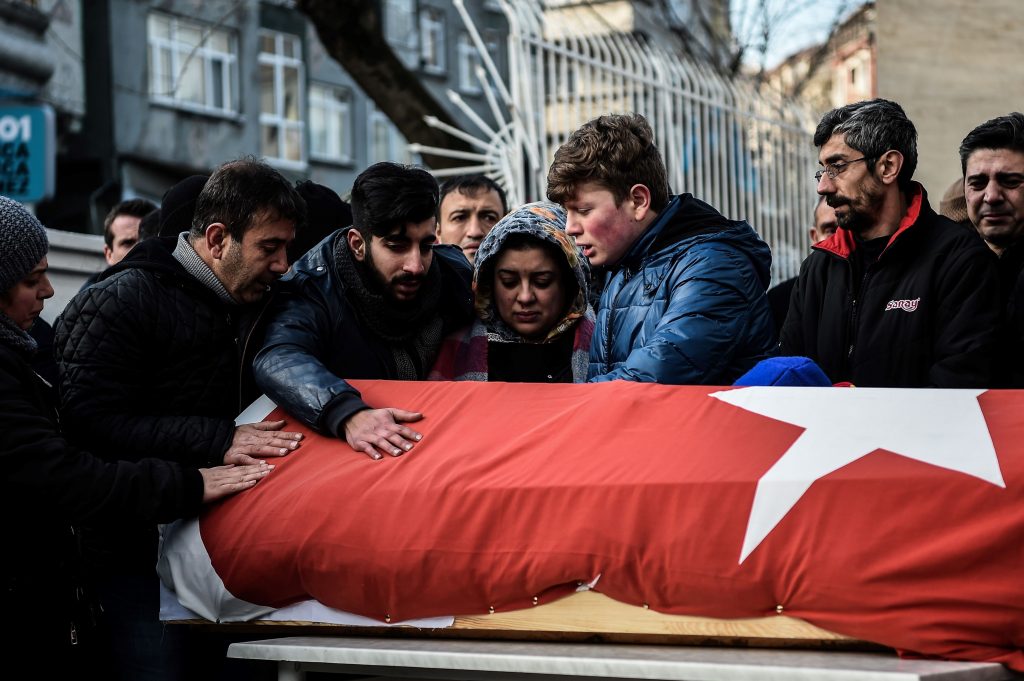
905, 305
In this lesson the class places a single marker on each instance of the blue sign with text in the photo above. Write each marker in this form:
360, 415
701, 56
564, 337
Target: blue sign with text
28, 152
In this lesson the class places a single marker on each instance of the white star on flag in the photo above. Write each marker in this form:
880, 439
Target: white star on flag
944, 428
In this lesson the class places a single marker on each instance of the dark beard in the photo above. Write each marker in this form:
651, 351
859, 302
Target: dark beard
854, 221
376, 282
392, 323
851, 219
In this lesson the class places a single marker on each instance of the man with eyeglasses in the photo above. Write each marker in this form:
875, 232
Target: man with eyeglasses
899, 296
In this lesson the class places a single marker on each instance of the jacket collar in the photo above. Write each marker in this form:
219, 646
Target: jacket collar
156, 254
843, 243
643, 245
194, 264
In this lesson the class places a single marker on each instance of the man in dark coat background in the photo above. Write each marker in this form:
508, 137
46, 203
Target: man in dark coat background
778, 296
992, 157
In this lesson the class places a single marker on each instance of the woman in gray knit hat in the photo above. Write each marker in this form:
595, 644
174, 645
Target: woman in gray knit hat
23, 282
47, 485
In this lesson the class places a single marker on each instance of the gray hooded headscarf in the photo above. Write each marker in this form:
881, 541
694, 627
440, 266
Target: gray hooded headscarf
545, 222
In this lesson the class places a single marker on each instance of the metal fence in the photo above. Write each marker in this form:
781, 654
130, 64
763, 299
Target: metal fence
745, 152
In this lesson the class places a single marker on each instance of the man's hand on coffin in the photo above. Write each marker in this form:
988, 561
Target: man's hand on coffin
255, 440
222, 481
371, 430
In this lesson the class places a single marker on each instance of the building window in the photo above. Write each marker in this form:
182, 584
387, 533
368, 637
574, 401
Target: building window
330, 123
469, 59
381, 147
400, 30
492, 43
191, 65
432, 42
386, 143
281, 119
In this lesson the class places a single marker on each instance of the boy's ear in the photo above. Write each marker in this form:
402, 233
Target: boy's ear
640, 201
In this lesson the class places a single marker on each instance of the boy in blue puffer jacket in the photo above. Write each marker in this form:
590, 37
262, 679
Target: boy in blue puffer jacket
684, 292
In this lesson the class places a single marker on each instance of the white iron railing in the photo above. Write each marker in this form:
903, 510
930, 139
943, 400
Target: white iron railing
747, 153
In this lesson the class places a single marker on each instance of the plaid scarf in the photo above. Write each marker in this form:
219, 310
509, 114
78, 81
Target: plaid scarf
463, 354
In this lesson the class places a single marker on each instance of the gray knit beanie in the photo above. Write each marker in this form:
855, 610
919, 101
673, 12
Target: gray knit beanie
22, 243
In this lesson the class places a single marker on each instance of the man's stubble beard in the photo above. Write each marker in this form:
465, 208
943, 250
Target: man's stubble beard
856, 219
378, 284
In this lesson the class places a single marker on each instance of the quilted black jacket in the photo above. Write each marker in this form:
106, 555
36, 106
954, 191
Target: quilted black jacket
151, 362
48, 484
151, 365
315, 339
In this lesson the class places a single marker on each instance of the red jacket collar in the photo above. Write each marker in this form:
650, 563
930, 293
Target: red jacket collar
843, 244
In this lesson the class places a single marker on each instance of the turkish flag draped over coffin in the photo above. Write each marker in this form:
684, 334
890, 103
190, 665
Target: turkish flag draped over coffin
893, 516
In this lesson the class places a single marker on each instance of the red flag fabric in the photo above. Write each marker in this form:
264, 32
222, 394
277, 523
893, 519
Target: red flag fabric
519, 492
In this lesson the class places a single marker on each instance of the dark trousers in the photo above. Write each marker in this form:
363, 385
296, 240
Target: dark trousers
141, 647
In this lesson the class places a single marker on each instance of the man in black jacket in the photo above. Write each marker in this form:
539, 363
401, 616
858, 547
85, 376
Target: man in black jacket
778, 296
899, 296
373, 302
992, 157
153, 363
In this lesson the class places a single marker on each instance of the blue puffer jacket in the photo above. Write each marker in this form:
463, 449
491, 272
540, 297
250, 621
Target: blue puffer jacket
687, 304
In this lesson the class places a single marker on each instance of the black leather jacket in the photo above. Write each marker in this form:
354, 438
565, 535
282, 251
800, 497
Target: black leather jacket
315, 340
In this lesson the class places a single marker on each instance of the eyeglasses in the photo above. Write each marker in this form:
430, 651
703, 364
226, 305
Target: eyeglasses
834, 170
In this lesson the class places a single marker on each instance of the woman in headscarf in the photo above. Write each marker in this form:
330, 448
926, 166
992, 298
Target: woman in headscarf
47, 485
533, 322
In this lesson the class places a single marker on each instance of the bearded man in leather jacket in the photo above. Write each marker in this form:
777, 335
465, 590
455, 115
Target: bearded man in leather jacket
372, 301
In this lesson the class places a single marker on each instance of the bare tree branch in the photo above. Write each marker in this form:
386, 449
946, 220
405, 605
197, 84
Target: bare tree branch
761, 23
819, 55
352, 32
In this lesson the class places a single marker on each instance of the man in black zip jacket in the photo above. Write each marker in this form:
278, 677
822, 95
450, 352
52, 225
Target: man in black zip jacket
899, 296
154, 362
